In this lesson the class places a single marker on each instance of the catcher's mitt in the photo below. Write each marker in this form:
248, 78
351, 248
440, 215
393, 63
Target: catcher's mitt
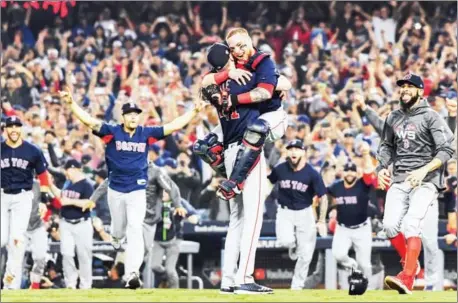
209, 92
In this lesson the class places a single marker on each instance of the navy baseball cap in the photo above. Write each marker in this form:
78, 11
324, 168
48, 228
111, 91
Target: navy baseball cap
304, 119
13, 120
413, 79
130, 107
350, 166
72, 163
365, 121
295, 143
218, 55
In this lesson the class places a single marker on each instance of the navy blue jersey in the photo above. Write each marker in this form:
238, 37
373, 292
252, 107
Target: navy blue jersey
126, 156
352, 203
80, 190
234, 126
297, 188
19, 164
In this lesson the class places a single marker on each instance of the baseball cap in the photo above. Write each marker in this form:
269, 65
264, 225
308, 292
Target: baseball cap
170, 162
72, 163
218, 55
13, 120
452, 182
413, 79
130, 107
350, 166
295, 143
303, 119
365, 121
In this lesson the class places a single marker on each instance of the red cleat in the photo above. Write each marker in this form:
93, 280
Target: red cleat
417, 269
402, 283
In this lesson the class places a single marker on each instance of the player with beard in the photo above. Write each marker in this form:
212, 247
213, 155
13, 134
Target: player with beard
20, 161
418, 142
295, 227
351, 196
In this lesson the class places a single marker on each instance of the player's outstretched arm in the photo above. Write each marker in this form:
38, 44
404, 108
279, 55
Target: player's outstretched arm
182, 121
385, 154
82, 115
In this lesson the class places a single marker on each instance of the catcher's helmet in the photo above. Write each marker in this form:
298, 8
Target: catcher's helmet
358, 283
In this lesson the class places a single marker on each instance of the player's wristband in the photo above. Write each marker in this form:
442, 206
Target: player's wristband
244, 98
221, 77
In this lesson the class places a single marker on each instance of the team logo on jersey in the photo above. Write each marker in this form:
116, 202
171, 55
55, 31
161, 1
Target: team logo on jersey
71, 194
14, 162
293, 184
130, 146
347, 200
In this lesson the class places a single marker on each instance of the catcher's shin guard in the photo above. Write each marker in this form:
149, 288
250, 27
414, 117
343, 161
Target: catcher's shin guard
211, 151
248, 155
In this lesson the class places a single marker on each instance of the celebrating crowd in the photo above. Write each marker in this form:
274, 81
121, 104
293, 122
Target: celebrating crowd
155, 55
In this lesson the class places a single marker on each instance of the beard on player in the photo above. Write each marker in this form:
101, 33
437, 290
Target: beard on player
14, 133
295, 157
408, 98
349, 177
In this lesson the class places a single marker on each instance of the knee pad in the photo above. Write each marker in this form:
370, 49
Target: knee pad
248, 156
211, 151
256, 133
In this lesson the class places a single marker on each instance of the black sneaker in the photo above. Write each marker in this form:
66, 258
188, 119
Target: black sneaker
252, 289
226, 290
133, 282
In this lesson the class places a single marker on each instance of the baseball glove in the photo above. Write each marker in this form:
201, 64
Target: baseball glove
209, 93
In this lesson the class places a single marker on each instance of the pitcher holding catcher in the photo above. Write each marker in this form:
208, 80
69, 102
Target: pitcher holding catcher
418, 142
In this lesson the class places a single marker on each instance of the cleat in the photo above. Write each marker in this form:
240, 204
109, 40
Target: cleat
226, 290
134, 282
429, 288
252, 289
402, 283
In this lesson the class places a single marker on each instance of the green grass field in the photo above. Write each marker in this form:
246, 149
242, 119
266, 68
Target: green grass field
184, 295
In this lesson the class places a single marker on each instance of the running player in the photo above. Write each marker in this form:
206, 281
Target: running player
76, 230
354, 226
20, 160
126, 157
418, 143
295, 227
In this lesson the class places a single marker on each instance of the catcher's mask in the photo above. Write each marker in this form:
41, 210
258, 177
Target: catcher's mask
358, 283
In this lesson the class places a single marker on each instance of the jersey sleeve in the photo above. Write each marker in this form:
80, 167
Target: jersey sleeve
86, 191
318, 185
273, 178
105, 130
331, 190
41, 164
266, 73
154, 133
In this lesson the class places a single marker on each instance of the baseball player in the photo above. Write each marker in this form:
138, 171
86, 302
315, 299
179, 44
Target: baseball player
295, 227
244, 135
354, 226
126, 157
75, 225
430, 232
20, 159
263, 84
241, 128
418, 142
37, 237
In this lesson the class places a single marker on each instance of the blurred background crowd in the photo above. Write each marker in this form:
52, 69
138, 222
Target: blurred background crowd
154, 53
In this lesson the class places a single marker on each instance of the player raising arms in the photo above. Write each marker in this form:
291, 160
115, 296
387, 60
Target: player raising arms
126, 157
418, 142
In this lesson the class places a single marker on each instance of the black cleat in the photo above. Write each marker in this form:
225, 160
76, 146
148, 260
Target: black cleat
252, 289
226, 290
